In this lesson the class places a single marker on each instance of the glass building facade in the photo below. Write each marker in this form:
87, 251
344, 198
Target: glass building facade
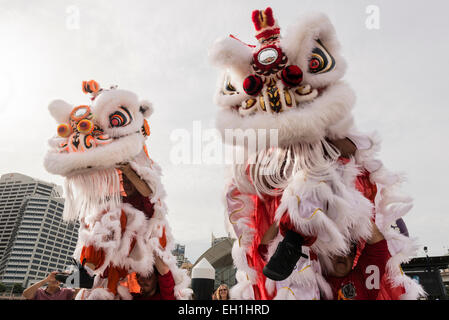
34, 240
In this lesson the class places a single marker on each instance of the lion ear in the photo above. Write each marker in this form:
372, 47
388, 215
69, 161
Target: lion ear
314, 38
146, 108
230, 53
60, 110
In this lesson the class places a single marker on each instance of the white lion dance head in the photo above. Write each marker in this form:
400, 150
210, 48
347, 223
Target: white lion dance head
92, 141
290, 83
293, 84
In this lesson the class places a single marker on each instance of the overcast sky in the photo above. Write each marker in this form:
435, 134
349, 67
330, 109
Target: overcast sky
158, 49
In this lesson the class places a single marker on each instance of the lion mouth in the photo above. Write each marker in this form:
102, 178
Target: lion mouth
119, 149
277, 99
77, 143
125, 135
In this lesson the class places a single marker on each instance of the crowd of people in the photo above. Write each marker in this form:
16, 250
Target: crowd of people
157, 286
160, 284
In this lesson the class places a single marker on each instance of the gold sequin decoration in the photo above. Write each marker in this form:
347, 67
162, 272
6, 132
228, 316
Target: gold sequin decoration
250, 103
262, 103
287, 98
274, 97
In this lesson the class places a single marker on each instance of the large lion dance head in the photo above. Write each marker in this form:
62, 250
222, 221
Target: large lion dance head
291, 85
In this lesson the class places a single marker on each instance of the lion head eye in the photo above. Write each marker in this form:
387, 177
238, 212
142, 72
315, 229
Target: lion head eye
120, 118
320, 61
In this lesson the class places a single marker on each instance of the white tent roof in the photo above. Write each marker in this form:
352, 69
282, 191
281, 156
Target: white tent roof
203, 270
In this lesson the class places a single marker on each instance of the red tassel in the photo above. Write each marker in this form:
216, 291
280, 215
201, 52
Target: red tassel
235, 38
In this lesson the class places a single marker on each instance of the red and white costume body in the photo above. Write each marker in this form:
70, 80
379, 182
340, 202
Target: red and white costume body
115, 237
293, 85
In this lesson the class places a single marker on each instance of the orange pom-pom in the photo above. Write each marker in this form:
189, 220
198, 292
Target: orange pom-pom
85, 126
91, 86
64, 130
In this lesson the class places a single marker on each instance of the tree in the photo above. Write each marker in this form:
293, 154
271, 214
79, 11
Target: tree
17, 288
2, 287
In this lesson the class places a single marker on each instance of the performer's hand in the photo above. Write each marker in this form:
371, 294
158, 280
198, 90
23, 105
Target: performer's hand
91, 266
161, 267
134, 178
51, 277
346, 147
125, 167
376, 235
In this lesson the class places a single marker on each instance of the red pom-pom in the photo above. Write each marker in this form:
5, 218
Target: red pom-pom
270, 18
264, 19
252, 85
256, 19
292, 76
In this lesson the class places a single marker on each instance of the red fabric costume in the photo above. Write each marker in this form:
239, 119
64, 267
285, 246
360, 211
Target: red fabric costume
140, 203
354, 285
372, 254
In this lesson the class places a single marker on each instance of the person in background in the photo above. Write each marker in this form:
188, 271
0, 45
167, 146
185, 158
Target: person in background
157, 286
353, 283
53, 291
222, 293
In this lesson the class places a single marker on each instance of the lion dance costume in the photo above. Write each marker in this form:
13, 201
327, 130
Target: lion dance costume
115, 237
298, 179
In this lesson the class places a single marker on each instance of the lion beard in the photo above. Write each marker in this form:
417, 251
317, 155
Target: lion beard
271, 170
91, 192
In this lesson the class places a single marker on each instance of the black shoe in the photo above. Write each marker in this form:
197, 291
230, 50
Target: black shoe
86, 281
283, 261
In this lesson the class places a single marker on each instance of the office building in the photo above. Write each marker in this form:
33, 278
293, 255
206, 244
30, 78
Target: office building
179, 253
34, 240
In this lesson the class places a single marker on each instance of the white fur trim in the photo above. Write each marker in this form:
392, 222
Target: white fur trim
229, 53
60, 110
391, 204
104, 232
243, 290
147, 108
121, 150
299, 42
308, 124
110, 101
